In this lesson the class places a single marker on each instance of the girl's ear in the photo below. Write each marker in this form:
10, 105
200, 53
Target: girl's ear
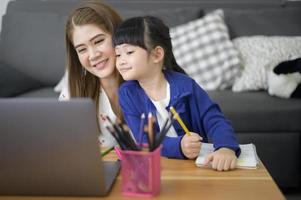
158, 54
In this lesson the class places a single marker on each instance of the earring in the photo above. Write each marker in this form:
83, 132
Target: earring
84, 72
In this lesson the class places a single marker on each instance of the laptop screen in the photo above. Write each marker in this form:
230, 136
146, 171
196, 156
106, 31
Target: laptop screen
49, 147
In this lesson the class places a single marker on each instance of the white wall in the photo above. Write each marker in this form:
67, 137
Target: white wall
3, 5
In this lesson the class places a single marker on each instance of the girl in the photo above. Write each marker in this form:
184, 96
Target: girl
146, 61
91, 60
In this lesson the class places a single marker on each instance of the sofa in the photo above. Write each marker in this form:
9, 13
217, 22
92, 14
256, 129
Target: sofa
32, 63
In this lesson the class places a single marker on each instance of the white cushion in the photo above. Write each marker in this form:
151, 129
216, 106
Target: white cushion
203, 49
259, 55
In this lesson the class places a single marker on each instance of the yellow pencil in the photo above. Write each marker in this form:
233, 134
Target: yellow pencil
178, 118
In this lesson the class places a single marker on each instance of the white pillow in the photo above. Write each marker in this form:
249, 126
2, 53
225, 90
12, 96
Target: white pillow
203, 48
259, 54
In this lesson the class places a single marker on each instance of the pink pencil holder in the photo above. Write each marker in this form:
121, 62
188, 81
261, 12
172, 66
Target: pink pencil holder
140, 173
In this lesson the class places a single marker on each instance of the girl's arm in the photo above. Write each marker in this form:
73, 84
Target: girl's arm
172, 147
218, 129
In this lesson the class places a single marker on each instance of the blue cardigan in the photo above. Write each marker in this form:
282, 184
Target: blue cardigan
194, 106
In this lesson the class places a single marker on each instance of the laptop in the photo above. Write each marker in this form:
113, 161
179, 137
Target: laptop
51, 148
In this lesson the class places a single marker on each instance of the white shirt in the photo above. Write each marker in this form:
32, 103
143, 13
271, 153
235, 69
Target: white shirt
105, 138
162, 113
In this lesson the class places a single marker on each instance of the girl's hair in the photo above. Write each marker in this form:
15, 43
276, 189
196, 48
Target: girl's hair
147, 32
82, 83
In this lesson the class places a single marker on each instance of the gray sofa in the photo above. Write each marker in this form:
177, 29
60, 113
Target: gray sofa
32, 63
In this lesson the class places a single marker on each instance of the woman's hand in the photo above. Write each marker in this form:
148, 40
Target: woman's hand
191, 145
223, 159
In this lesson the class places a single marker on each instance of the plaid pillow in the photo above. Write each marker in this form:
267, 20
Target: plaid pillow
203, 48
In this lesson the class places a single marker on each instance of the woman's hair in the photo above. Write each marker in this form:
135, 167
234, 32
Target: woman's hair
147, 32
82, 83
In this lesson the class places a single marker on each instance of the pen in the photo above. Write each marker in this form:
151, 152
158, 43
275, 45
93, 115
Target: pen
178, 118
107, 151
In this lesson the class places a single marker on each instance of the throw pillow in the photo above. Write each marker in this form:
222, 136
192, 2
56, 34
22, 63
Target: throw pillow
259, 54
203, 48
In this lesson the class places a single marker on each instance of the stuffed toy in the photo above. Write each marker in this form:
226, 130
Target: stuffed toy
285, 79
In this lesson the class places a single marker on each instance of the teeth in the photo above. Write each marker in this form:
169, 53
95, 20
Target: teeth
100, 63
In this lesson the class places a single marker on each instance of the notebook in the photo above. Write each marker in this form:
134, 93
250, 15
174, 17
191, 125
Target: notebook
248, 158
49, 147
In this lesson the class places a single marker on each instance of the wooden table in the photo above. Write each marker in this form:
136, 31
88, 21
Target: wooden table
181, 179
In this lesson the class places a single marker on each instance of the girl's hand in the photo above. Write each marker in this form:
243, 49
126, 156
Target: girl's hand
223, 159
191, 145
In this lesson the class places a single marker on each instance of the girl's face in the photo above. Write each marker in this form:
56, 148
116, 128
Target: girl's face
94, 49
132, 62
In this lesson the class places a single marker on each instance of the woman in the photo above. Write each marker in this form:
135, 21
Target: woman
91, 60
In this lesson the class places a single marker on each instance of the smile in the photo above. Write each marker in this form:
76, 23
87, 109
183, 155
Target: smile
100, 65
124, 69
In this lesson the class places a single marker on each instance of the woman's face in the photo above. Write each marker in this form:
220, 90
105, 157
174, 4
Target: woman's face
94, 49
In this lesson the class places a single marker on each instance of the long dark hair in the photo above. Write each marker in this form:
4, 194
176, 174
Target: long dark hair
147, 32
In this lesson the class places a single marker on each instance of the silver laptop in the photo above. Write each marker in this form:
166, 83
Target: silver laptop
49, 147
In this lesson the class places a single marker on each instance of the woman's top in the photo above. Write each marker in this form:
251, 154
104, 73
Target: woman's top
105, 137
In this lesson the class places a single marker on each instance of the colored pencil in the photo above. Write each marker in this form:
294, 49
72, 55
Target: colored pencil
107, 151
141, 130
150, 130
